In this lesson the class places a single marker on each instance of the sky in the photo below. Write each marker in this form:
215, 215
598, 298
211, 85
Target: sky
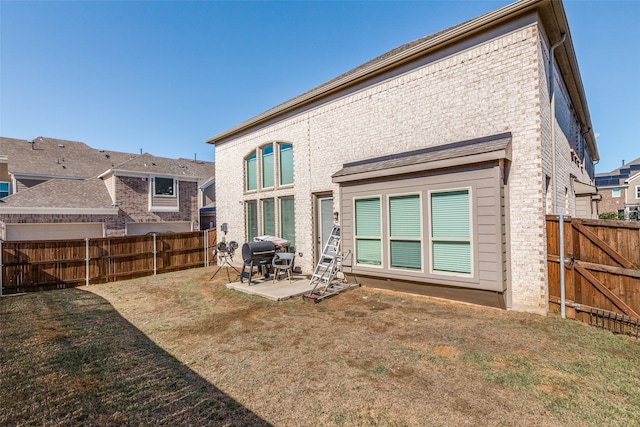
163, 76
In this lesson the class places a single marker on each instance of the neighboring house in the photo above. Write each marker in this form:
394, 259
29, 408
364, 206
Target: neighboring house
440, 159
620, 190
66, 189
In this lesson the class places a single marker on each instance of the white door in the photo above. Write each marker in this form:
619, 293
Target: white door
324, 220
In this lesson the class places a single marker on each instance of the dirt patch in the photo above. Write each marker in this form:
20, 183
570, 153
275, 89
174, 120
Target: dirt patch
368, 357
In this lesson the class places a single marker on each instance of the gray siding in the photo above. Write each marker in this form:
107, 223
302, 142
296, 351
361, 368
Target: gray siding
488, 225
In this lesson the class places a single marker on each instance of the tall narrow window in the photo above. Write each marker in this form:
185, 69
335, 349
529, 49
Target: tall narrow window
287, 220
4, 189
267, 166
368, 231
251, 173
637, 191
268, 217
405, 231
252, 220
286, 163
451, 232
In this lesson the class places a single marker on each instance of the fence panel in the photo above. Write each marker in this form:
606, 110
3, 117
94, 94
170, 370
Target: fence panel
51, 264
602, 268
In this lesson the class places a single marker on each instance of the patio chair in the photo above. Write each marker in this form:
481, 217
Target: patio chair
283, 261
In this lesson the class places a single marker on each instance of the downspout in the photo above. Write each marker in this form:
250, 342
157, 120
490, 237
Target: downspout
554, 178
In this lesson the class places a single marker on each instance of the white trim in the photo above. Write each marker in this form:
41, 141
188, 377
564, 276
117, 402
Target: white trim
632, 177
164, 209
58, 211
472, 274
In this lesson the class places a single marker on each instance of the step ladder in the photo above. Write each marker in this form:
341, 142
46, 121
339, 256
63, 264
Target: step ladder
324, 280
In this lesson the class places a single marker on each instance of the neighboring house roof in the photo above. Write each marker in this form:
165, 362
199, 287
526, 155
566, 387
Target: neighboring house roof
148, 164
50, 157
551, 13
618, 176
61, 193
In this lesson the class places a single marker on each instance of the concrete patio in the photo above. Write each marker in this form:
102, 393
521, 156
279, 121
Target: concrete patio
275, 291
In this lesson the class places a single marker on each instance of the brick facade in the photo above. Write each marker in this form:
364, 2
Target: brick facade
495, 85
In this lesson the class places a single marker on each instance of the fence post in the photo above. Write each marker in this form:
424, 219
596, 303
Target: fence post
86, 260
1, 269
206, 248
154, 254
563, 312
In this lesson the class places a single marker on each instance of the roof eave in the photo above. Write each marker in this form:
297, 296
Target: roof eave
453, 34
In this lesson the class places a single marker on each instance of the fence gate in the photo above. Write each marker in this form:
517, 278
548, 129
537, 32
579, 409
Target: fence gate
602, 271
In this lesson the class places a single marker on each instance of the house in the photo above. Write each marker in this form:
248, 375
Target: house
620, 190
440, 160
66, 189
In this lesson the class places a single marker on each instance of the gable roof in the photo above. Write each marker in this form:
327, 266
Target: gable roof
148, 164
618, 176
57, 157
551, 13
84, 194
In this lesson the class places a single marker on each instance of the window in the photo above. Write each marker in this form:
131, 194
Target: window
368, 231
4, 189
268, 217
267, 166
287, 220
252, 220
286, 164
251, 173
615, 192
164, 186
451, 231
405, 231
637, 191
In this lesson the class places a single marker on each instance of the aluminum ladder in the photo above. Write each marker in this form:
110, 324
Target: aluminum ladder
329, 265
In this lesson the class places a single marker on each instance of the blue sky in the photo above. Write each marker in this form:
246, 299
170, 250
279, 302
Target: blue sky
163, 76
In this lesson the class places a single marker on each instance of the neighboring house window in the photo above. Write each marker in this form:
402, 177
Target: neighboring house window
252, 219
268, 217
4, 189
267, 166
637, 191
451, 231
164, 186
405, 231
251, 182
287, 220
615, 192
368, 231
286, 163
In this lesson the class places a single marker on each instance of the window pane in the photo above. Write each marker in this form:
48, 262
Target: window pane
404, 216
406, 254
163, 186
268, 218
450, 214
286, 164
452, 256
368, 251
368, 217
267, 166
287, 220
615, 192
4, 189
251, 183
252, 220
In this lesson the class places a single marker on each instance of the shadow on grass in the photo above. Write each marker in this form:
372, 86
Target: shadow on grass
69, 358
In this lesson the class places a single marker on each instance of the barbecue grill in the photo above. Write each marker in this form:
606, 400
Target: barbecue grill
257, 254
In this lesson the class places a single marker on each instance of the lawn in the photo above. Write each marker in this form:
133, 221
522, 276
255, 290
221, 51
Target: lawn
178, 349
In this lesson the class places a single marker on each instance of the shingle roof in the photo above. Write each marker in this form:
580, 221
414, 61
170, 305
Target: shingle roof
62, 193
618, 176
57, 157
149, 164
432, 155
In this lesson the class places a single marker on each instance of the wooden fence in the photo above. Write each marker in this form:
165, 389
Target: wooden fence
602, 270
51, 264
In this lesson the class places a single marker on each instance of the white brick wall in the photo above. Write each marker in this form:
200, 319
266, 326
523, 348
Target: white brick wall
493, 87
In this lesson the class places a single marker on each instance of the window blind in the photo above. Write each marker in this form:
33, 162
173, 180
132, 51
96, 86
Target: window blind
286, 164
287, 219
252, 182
368, 242
451, 231
268, 217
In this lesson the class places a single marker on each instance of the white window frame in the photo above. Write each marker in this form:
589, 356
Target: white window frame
174, 187
416, 239
637, 191
380, 237
471, 240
